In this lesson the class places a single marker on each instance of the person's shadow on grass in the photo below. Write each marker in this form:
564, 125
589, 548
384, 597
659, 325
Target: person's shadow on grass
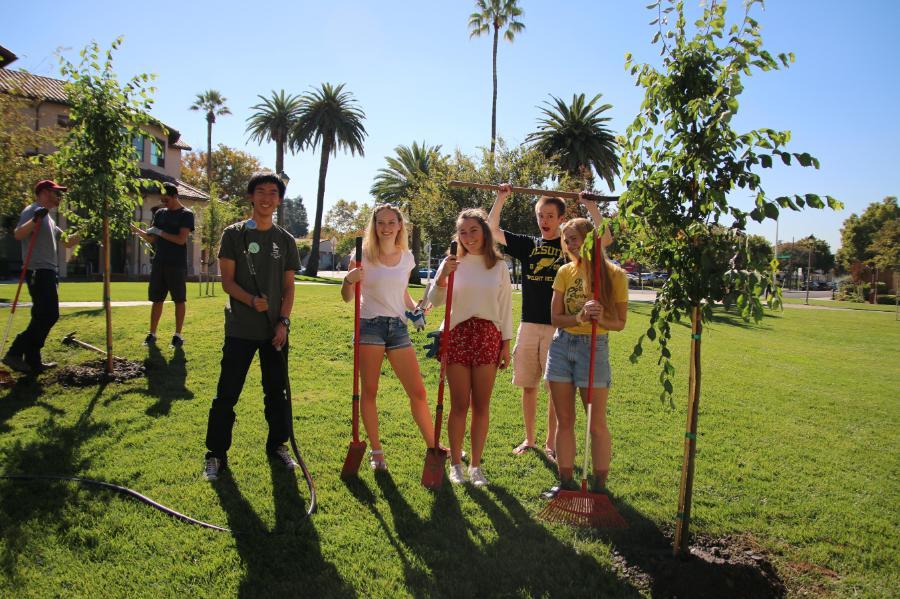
24, 394
286, 562
460, 560
56, 451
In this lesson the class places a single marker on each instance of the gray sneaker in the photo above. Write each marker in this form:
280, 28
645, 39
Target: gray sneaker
476, 477
283, 455
456, 474
214, 466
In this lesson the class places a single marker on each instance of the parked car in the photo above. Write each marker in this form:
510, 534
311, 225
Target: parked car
426, 273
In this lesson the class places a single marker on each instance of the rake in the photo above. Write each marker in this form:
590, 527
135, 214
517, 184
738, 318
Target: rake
583, 508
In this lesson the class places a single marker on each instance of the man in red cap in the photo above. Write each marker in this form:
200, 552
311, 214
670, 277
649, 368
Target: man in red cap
24, 354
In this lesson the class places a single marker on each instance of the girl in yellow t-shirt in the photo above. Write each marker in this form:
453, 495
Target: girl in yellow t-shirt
568, 362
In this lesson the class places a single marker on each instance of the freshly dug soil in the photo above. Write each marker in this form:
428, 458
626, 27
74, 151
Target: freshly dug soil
729, 566
94, 372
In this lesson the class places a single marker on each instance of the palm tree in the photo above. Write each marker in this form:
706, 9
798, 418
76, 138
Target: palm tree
492, 16
272, 121
328, 116
576, 139
394, 183
212, 102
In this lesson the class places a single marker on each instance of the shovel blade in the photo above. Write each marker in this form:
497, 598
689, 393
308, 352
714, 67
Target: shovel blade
6, 379
354, 458
433, 472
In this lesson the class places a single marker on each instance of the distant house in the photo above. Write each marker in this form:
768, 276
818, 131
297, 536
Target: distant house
49, 107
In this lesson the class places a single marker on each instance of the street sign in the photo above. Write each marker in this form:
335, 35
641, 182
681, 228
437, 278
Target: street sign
784, 257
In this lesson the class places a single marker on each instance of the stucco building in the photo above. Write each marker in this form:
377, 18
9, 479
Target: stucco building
47, 106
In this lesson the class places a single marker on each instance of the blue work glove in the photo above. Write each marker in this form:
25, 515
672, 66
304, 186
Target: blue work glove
39, 213
416, 318
434, 348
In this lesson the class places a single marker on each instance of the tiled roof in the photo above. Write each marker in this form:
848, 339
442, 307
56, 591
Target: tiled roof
33, 86
48, 89
184, 190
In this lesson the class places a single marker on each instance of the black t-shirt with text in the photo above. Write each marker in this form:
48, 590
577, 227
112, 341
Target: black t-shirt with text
172, 222
540, 259
272, 252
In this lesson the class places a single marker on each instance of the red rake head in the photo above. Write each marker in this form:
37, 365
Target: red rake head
580, 508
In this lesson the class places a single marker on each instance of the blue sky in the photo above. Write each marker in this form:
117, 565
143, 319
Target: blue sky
418, 76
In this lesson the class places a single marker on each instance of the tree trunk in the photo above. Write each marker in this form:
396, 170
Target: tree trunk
107, 307
494, 100
279, 168
683, 517
209, 124
312, 265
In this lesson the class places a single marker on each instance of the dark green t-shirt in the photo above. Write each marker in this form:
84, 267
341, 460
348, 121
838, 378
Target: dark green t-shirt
272, 252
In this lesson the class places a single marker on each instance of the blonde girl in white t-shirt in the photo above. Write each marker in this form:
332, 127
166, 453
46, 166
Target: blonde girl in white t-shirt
384, 275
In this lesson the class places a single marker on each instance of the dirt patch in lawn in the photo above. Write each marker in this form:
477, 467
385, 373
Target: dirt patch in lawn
733, 566
91, 373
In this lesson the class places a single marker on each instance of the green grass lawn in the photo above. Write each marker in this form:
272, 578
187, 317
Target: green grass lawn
797, 449
840, 304
93, 292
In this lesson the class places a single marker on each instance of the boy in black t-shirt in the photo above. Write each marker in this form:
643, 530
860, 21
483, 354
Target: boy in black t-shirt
540, 257
257, 260
169, 231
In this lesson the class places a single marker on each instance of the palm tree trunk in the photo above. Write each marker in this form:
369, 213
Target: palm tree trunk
682, 525
279, 168
208, 153
494, 100
312, 265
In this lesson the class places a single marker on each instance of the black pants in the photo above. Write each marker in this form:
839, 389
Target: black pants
42, 285
237, 354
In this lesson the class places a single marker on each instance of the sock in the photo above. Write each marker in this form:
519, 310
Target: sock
600, 478
566, 474
179, 336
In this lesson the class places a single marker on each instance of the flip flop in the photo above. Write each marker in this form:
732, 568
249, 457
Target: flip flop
523, 447
550, 453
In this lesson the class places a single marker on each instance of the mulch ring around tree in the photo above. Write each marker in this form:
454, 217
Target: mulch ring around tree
94, 372
731, 566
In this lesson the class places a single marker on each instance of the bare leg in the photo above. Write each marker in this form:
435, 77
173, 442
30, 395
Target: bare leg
370, 358
155, 315
180, 309
601, 442
550, 443
563, 396
483, 378
405, 366
529, 408
460, 379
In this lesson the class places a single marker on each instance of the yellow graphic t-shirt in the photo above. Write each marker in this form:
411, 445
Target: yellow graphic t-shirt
570, 283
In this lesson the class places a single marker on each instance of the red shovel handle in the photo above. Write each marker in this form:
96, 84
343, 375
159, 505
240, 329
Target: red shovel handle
356, 292
445, 352
34, 234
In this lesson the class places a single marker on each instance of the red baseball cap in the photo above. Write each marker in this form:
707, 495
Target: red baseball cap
48, 184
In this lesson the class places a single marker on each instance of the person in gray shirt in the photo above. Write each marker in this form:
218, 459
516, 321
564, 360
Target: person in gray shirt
24, 354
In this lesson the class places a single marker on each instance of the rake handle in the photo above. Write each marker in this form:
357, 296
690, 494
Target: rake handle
356, 302
568, 195
596, 289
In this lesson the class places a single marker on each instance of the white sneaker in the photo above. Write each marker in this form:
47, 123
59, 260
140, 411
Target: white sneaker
212, 468
476, 477
456, 474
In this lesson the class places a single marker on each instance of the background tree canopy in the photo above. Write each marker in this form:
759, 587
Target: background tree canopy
231, 169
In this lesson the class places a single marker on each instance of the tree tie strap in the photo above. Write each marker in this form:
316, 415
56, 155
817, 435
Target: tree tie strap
690, 435
695, 336
680, 515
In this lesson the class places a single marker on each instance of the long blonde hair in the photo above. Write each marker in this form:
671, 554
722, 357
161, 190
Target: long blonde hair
491, 253
371, 247
585, 264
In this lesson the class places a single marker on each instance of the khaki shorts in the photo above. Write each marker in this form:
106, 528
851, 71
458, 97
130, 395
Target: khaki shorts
530, 354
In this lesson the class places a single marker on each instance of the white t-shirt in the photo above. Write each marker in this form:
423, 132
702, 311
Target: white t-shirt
479, 293
383, 291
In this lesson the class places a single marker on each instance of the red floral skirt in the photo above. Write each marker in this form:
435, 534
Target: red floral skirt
474, 342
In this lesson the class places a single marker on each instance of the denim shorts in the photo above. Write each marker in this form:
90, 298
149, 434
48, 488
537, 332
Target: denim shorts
388, 331
570, 357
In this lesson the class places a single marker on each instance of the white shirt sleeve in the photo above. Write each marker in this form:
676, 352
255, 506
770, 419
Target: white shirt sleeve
438, 295
505, 300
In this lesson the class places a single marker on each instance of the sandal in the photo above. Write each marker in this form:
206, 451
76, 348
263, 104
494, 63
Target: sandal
523, 447
550, 453
376, 459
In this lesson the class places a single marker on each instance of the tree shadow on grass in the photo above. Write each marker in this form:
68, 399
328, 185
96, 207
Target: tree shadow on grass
165, 382
289, 562
523, 559
57, 451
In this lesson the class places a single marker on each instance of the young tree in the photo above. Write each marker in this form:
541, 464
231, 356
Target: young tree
232, 169
212, 102
211, 221
330, 117
492, 16
97, 157
681, 161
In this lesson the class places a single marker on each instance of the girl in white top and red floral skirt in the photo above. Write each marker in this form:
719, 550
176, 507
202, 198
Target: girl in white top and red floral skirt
480, 331
384, 275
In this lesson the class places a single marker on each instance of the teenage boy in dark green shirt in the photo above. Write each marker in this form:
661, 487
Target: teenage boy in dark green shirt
257, 260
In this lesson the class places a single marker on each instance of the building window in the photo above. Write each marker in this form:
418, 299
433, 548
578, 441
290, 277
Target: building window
138, 143
158, 152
